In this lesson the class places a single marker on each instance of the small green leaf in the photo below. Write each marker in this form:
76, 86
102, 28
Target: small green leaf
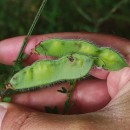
6, 99
51, 110
55, 110
63, 90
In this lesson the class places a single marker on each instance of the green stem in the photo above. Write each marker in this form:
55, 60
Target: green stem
67, 102
19, 58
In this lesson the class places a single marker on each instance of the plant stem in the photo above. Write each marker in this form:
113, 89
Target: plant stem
19, 58
68, 105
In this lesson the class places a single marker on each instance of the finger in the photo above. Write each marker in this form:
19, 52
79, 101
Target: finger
117, 80
95, 91
17, 117
12, 46
119, 89
99, 73
99, 39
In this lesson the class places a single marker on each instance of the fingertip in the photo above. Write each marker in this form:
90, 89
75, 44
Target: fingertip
99, 73
91, 95
9, 49
116, 80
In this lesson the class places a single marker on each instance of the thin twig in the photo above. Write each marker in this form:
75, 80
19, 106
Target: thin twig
86, 16
98, 22
113, 10
19, 58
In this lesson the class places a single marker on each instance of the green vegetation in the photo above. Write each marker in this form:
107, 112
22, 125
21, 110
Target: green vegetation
105, 16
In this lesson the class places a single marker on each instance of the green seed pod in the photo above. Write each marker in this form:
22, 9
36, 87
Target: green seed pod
104, 57
46, 72
110, 60
62, 47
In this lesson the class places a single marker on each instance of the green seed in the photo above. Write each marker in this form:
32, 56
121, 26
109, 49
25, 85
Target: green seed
62, 47
110, 60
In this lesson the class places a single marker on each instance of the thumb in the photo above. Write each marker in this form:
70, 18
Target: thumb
16, 117
119, 89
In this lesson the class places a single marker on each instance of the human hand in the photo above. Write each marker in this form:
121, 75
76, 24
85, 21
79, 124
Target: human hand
27, 109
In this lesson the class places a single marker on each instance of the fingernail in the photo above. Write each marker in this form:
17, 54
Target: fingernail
3, 110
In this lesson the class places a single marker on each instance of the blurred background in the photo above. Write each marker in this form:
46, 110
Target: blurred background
104, 16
